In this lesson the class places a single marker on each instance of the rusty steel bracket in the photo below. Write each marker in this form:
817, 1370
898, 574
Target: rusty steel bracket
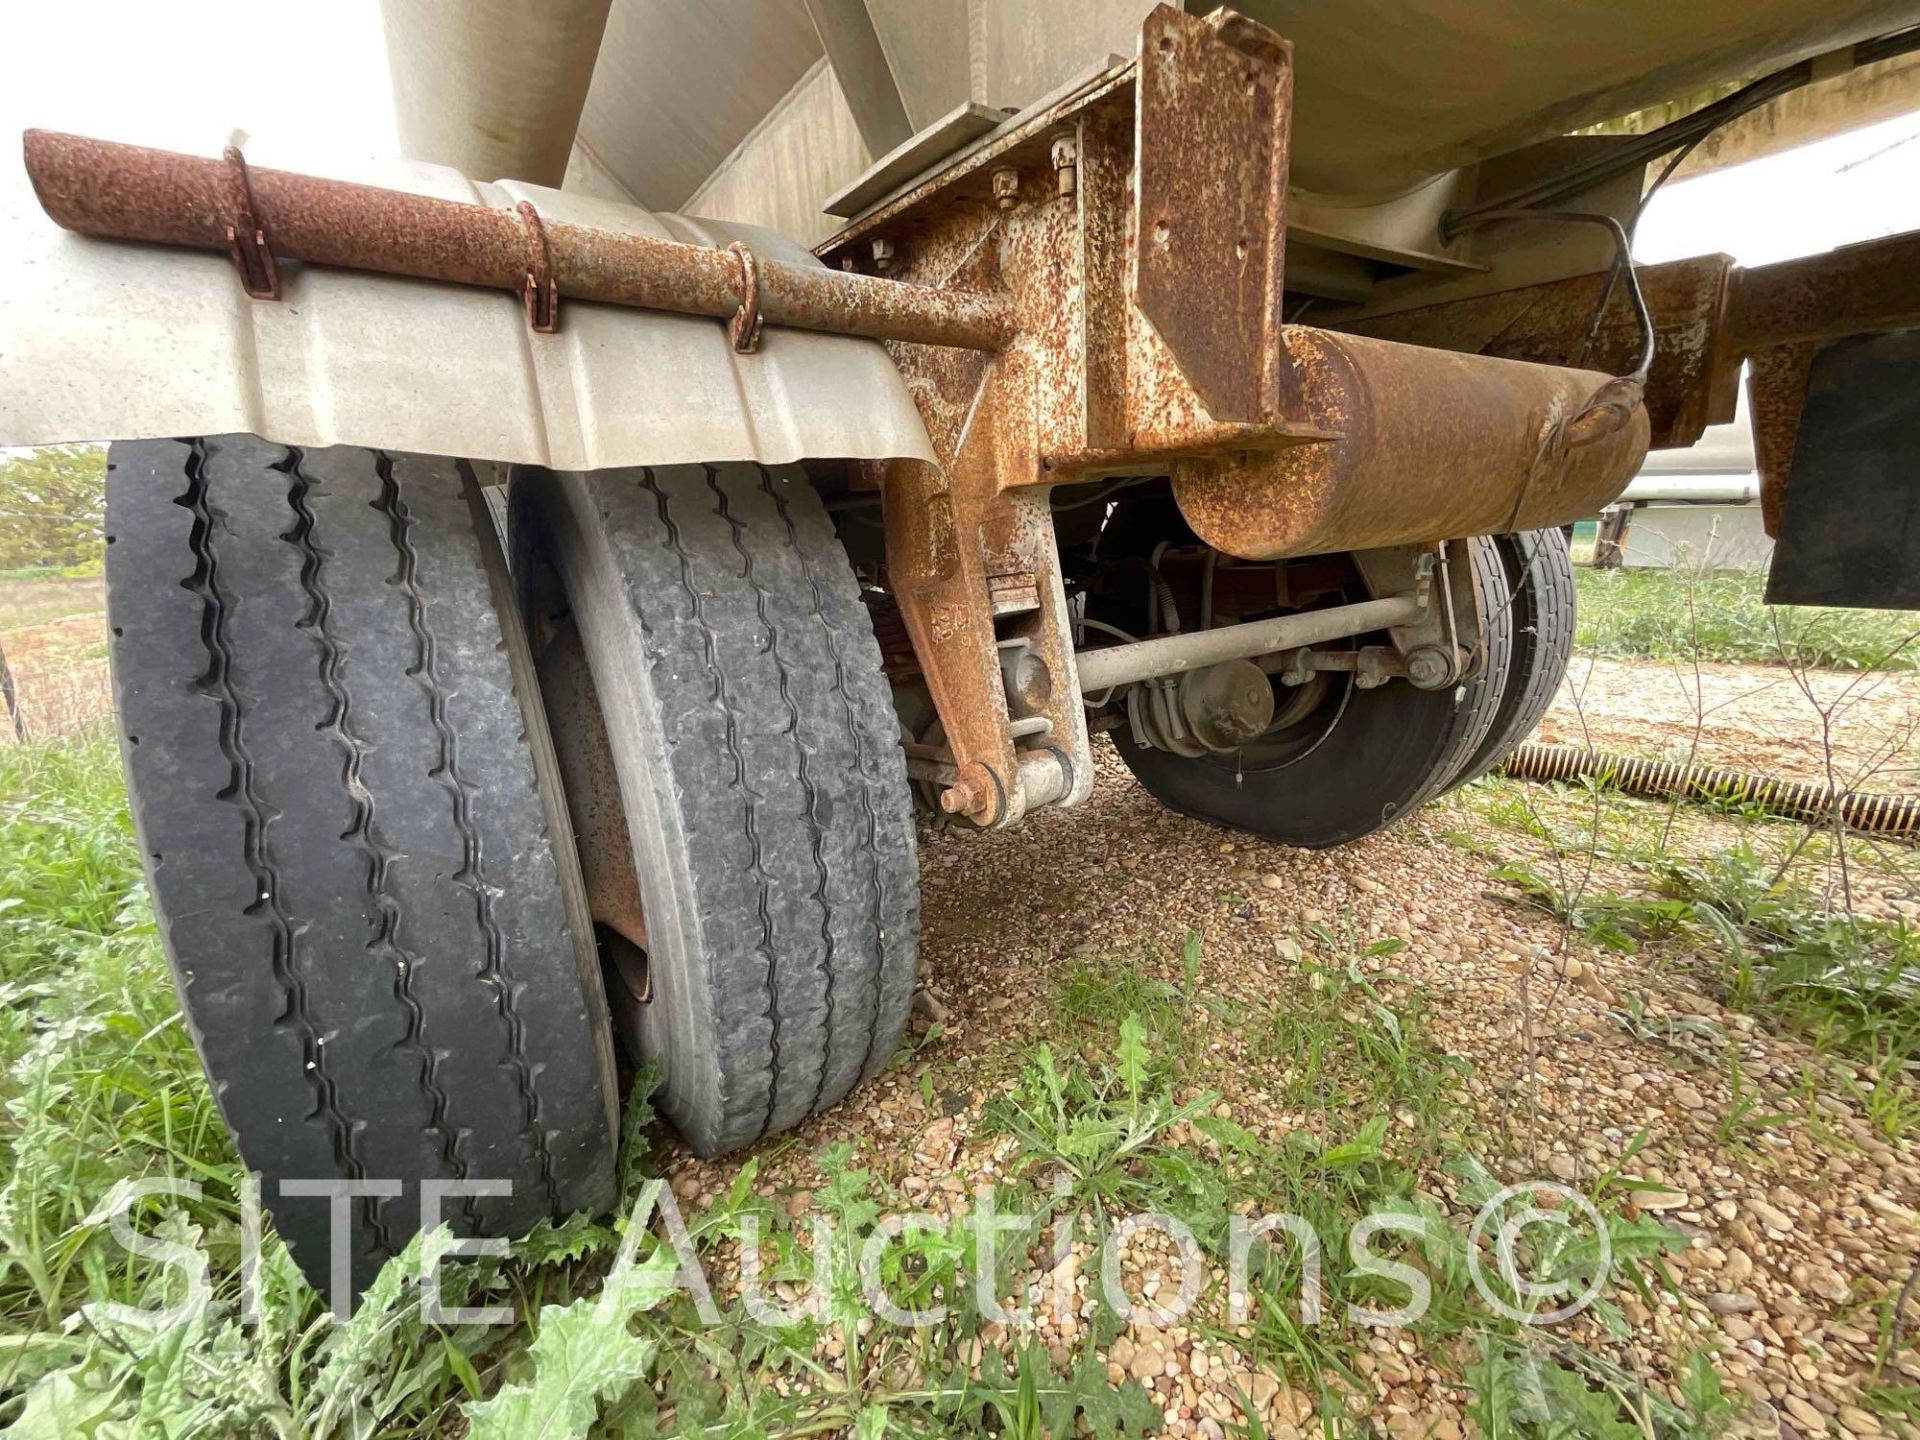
1214, 114
246, 235
744, 328
541, 296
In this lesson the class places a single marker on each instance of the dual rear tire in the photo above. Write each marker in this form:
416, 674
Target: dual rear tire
360, 854
363, 861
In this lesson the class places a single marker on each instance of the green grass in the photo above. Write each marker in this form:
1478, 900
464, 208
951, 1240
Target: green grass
1721, 615
1124, 1132
40, 597
1753, 909
100, 1090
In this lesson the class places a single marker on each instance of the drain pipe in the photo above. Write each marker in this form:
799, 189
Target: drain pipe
1897, 816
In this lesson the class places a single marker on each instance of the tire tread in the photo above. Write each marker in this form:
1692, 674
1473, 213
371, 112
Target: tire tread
788, 800
364, 758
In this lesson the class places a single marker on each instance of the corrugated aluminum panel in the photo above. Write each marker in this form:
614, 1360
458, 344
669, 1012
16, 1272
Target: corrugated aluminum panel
105, 340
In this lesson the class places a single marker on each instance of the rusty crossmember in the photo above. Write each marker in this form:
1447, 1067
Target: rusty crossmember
1711, 316
128, 192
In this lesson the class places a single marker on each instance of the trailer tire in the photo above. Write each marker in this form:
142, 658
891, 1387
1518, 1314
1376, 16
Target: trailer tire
366, 896
760, 772
1387, 752
1539, 570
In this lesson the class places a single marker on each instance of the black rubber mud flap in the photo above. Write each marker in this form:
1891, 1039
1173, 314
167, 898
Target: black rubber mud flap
1850, 514
373, 919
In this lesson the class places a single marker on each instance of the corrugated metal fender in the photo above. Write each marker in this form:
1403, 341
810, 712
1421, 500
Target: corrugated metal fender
106, 340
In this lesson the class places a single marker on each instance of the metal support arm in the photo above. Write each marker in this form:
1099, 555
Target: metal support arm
1169, 654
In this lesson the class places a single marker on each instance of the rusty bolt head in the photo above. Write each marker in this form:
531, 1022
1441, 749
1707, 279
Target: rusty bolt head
959, 798
1066, 157
974, 793
1006, 187
883, 255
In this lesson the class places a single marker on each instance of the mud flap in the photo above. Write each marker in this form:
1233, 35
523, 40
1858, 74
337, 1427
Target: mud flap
1850, 514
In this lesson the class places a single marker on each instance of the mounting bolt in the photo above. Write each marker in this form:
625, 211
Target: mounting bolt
1006, 187
883, 255
1066, 159
1429, 667
976, 794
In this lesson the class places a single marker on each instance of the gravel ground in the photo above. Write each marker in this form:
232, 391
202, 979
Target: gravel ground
1749, 717
1797, 1233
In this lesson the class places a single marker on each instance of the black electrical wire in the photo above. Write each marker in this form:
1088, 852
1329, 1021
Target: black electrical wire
1592, 331
1622, 261
1107, 493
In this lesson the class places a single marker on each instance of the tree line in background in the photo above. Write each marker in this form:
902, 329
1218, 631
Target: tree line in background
52, 506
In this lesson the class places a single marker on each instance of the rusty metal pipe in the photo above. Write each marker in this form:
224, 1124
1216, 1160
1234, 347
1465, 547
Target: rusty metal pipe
1422, 445
1170, 654
128, 192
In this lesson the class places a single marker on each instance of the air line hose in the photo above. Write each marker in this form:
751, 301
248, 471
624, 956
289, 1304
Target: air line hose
1893, 815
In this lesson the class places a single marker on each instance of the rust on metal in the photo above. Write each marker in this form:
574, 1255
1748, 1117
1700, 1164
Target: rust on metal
1874, 285
1776, 393
1215, 103
592, 786
246, 235
1779, 315
1266, 428
1691, 385
744, 328
1709, 316
128, 192
542, 300
1430, 445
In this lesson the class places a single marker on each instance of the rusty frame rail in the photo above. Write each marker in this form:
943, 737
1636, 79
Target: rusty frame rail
1779, 315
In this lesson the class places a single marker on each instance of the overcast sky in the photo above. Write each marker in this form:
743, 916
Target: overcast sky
304, 81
